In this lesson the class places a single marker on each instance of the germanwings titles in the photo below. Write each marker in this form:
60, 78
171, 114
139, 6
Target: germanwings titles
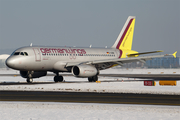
35, 61
54, 50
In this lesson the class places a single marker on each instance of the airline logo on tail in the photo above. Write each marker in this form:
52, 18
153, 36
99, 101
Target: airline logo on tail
125, 38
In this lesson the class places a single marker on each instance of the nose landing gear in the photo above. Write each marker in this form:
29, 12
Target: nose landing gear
29, 80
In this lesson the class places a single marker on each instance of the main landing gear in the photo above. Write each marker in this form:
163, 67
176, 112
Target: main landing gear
93, 78
58, 78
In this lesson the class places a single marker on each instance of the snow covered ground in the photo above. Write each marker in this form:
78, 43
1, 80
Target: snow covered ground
107, 84
85, 111
89, 111
141, 71
81, 85
118, 71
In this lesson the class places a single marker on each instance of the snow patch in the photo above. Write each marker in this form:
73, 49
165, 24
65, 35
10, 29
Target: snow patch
73, 84
85, 111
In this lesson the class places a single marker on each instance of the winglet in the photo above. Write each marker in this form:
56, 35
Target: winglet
174, 54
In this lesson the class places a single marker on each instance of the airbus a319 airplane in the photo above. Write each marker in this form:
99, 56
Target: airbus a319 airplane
35, 61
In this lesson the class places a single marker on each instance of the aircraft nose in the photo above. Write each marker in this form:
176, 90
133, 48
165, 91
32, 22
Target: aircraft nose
10, 62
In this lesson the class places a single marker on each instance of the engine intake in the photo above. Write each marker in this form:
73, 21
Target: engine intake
84, 71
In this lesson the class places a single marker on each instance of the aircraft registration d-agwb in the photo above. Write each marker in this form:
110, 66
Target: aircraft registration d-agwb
35, 61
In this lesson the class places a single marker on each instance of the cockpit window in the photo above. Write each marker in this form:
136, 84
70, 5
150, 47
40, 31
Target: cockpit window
21, 53
25, 53
16, 53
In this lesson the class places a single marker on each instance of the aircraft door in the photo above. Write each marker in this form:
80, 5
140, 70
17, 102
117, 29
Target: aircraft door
37, 54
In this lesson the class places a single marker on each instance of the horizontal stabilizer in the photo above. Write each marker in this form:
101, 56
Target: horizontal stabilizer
137, 54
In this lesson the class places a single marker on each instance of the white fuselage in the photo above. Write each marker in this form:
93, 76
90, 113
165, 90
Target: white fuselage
55, 58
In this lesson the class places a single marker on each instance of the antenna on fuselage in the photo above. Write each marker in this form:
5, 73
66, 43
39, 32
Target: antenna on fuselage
31, 44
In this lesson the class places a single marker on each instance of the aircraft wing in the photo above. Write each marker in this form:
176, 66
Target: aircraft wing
127, 60
104, 64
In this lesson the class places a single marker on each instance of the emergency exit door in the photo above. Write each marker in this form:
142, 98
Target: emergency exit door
37, 54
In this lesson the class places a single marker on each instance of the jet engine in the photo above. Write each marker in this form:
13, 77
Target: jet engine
84, 71
32, 74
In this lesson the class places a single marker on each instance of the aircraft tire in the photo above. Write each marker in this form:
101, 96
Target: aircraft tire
90, 79
29, 80
55, 78
58, 78
95, 78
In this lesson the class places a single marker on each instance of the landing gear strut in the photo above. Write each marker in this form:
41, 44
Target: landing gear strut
93, 78
58, 78
29, 79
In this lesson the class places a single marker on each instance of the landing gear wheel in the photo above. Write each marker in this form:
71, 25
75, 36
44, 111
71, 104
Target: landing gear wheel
90, 79
55, 78
93, 79
58, 78
29, 80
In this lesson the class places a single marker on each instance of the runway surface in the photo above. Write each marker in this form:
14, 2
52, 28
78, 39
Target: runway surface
146, 76
64, 82
90, 97
142, 76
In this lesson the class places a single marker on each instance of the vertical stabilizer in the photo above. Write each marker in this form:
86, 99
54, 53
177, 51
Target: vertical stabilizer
125, 38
